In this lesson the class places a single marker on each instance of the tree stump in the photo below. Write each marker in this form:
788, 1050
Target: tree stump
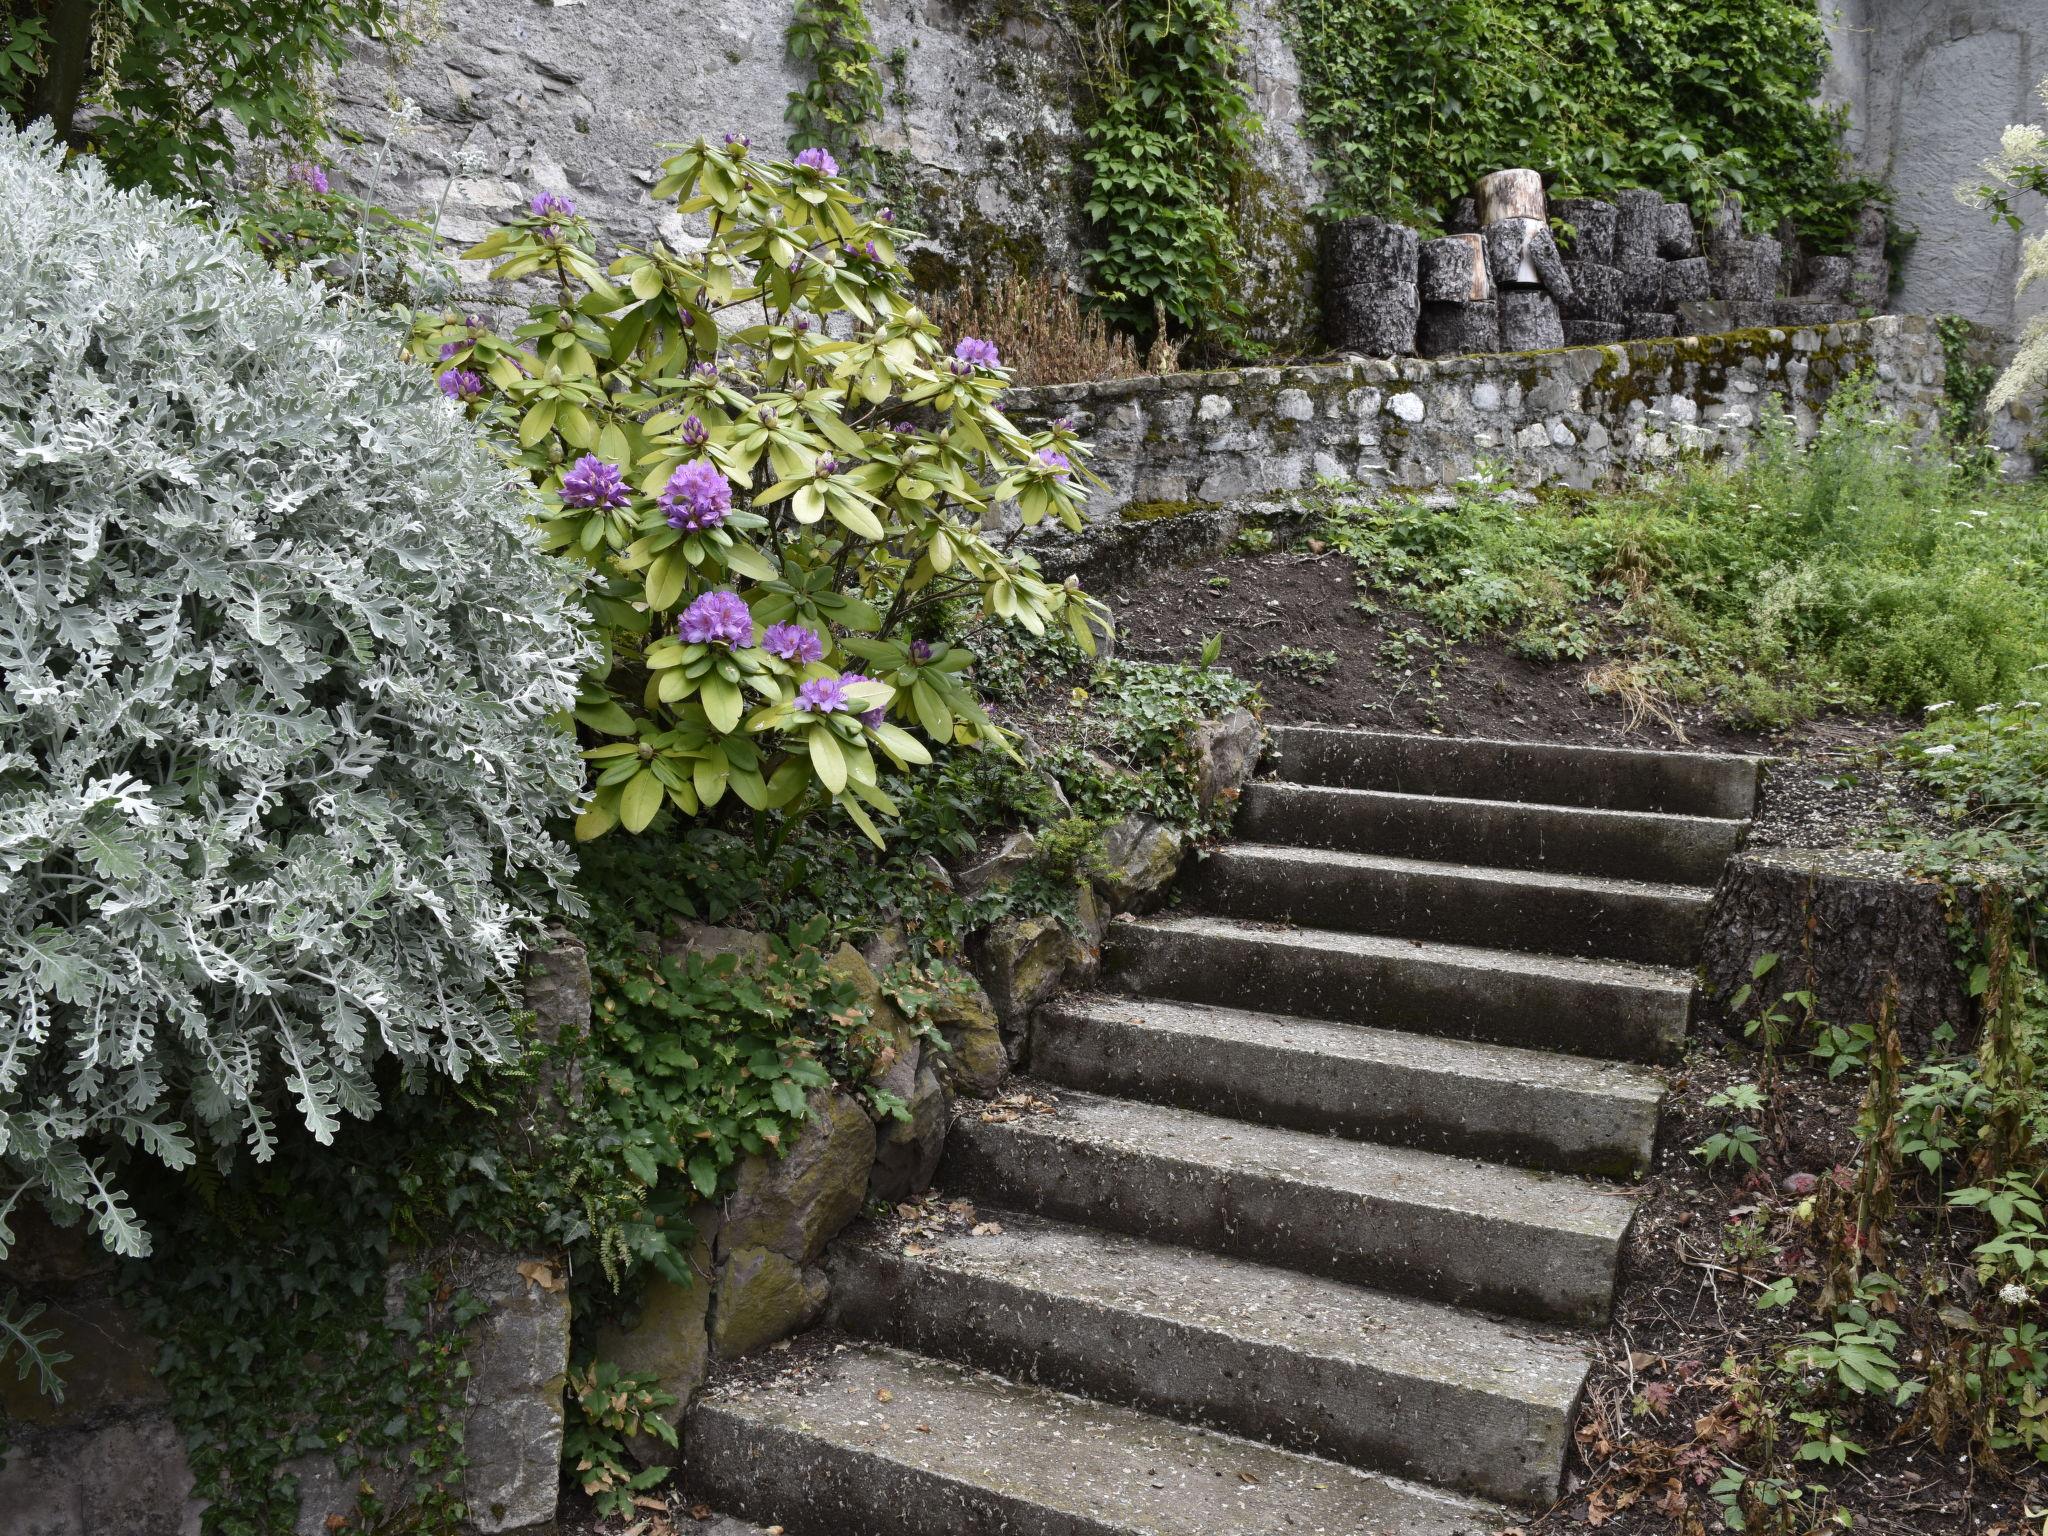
1365, 318
1676, 238
1745, 271
1456, 330
1591, 235
1642, 282
1648, 324
1639, 213
1689, 278
1594, 333
1529, 321
1453, 270
1369, 253
1597, 292
1521, 252
1510, 195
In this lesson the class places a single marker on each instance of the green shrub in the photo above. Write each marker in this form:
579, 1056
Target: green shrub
280, 726
781, 476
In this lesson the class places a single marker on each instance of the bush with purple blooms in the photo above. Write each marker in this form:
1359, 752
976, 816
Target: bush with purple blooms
776, 510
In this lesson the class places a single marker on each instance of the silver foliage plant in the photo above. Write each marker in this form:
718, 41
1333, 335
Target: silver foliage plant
283, 677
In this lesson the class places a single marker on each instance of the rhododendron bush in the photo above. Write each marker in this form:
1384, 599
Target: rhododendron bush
783, 477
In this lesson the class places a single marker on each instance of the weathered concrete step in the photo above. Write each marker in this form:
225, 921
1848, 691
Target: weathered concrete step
1532, 1244
1501, 834
1535, 1108
876, 1442
1614, 778
1461, 903
1434, 1393
1609, 1009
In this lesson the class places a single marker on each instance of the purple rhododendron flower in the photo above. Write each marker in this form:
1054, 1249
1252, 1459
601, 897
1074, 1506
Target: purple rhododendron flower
793, 642
821, 695
886, 216
737, 141
460, 384
594, 485
819, 160
981, 354
920, 651
694, 432
1055, 461
704, 370
868, 717
307, 174
697, 496
1063, 424
717, 616
450, 348
551, 205
827, 465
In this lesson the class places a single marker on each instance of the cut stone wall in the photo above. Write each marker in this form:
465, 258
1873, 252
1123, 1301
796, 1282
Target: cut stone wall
979, 133
1582, 417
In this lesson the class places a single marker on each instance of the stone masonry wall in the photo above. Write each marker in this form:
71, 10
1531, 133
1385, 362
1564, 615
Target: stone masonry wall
1580, 417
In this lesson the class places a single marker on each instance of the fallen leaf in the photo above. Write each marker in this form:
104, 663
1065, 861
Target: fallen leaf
885, 1396
1246, 1477
542, 1274
987, 1229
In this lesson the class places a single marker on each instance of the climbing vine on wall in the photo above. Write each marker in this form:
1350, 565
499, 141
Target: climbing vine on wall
833, 108
1172, 137
1410, 100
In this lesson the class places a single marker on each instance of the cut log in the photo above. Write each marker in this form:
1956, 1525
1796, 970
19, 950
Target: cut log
1690, 278
1454, 330
1724, 222
1463, 219
1752, 314
1594, 333
1872, 223
1453, 270
1368, 253
1647, 324
1705, 317
1596, 292
1522, 252
1642, 282
1676, 238
1871, 286
1510, 195
1366, 318
1584, 228
1745, 271
1827, 278
1811, 311
1529, 321
1639, 213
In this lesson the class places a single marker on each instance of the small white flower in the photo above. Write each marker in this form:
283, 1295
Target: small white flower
1935, 709
1942, 751
2013, 1294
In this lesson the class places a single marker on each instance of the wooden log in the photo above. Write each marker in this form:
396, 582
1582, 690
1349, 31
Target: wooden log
1870, 287
1584, 228
1463, 219
1597, 293
1808, 310
1687, 279
1676, 238
1745, 271
1456, 330
1647, 324
1827, 277
1522, 252
1642, 281
1370, 253
1638, 215
1453, 270
1510, 195
1594, 333
1365, 318
1529, 321
1705, 317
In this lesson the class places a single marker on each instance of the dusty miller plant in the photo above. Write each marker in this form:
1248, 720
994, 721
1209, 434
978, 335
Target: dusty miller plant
779, 473
282, 686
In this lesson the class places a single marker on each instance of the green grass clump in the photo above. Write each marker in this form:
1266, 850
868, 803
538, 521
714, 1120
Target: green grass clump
1850, 573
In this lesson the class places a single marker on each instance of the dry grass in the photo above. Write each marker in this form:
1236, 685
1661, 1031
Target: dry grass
1045, 334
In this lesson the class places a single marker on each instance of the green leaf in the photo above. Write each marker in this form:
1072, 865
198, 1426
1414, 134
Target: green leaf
828, 759
640, 799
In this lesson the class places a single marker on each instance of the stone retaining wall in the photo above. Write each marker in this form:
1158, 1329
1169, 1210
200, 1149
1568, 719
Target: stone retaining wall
1579, 416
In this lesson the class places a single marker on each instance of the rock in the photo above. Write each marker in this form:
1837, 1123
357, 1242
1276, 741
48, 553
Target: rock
1677, 240
1870, 286
896, 1070
558, 987
1143, 856
1638, 220
1684, 280
1810, 311
110, 1370
1516, 194
1584, 228
763, 1295
1453, 270
976, 1064
669, 1338
1462, 217
1521, 251
1085, 935
1596, 292
1745, 271
907, 1151
712, 941
1827, 278
1374, 254
1649, 324
1724, 221
1529, 321
1001, 868
1452, 330
1021, 961
887, 945
1704, 317
1366, 319
1594, 333
1642, 283
1226, 750
797, 1203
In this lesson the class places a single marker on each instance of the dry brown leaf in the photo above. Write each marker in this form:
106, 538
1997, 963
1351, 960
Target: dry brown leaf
542, 1274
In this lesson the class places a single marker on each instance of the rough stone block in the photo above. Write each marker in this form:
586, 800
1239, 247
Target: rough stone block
1450, 330
907, 1151
1000, 869
1594, 333
1143, 855
797, 1203
1810, 311
1597, 292
1453, 270
1870, 287
1590, 232
1371, 253
1463, 217
1368, 319
1529, 321
1704, 317
1642, 283
669, 1337
1827, 278
1677, 240
1639, 218
763, 1295
1226, 750
1684, 280
976, 1064
1649, 324
1021, 961
1745, 271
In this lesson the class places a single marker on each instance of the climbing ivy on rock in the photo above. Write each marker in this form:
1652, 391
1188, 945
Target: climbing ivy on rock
1172, 138
843, 94
1410, 100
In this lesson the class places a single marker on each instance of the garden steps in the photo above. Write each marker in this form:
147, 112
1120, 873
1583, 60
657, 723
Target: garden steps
1325, 1163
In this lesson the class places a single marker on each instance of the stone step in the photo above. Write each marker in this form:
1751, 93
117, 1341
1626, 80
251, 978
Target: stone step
1533, 1108
1500, 834
1610, 778
1531, 1244
1604, 1008
1423, 1391
871, 1441
1461, 903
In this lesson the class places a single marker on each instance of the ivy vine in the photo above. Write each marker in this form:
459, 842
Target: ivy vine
833, 108
1410, 100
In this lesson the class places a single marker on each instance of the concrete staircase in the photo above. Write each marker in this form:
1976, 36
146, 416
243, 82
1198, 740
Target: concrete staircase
1314, 1239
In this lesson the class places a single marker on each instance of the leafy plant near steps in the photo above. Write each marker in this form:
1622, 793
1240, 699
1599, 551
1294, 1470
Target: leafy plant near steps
773, 514
1171, 138
1411, 100
835, 107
